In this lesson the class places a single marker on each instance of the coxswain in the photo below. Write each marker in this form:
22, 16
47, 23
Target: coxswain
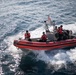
44, 37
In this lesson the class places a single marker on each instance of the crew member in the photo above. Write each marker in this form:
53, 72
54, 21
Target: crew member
27, 35
44, 37
60, 32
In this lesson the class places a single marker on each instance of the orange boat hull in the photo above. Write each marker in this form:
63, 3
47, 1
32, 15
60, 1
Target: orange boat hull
24, 44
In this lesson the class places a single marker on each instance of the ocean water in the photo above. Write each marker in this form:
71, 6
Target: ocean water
16, 16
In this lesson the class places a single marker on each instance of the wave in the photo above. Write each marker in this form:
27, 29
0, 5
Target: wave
57, 59
18, 15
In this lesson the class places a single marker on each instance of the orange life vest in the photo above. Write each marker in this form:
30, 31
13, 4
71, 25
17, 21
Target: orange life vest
60, 30
44, 37
27, 35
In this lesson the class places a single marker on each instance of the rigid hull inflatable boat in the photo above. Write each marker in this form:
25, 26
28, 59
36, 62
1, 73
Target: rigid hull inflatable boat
51, 43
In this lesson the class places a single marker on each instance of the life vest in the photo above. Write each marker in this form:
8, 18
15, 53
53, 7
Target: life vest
44, 37
60, 30
27, 35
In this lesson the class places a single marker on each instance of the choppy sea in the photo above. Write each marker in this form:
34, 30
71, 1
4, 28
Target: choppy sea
17, 16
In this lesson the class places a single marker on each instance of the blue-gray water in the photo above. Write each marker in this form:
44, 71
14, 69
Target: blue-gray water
18, 15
